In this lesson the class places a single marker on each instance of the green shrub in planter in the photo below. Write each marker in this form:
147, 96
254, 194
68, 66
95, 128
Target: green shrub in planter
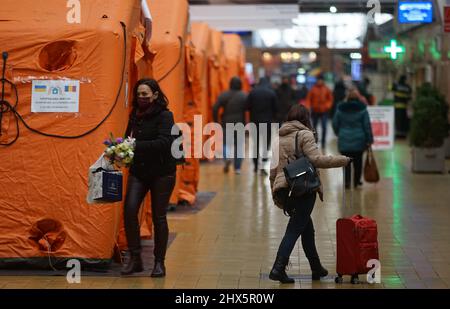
429, 125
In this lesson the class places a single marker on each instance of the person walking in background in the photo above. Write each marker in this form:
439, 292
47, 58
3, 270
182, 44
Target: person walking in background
320, 100
351, 123
301, 93
402, 96
339, 94
286, 98
233, 103
153, 169
299, 208
262, 105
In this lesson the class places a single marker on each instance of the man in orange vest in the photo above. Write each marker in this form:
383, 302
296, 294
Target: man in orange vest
320, 100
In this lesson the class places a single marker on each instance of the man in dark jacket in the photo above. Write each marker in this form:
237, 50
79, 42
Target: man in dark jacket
402, 96
286, 98
233, 104
351, 123
262, 104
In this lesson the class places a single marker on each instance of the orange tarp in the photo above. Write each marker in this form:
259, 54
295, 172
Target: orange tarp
43, 180
201, 39
170, 21
217, 75
235, 58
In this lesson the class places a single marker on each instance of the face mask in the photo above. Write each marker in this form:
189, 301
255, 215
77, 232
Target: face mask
144, 103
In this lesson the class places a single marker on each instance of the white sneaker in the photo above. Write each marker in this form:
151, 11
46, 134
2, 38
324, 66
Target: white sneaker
237, 172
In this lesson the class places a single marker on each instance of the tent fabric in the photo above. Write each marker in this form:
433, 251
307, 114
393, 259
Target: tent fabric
235, 58
217, 65
201, 39
44, 179
187, 190
167, 61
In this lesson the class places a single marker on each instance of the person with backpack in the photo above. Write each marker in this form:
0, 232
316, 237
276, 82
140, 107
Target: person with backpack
298, 128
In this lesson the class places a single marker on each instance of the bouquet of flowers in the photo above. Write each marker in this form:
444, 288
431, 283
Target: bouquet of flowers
120, 151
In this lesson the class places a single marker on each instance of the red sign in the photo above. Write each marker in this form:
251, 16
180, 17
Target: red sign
380, 128
447, 19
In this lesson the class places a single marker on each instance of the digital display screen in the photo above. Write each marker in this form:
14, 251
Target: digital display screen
415, 12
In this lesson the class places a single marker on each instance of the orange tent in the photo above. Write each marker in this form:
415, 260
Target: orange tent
167, 48
198, 48
201, 39
43, 183
235, 58
217, 75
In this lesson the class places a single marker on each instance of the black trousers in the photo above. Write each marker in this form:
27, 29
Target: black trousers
160, 189
260, 140
300, 224
357, 164
323, 117
401, 122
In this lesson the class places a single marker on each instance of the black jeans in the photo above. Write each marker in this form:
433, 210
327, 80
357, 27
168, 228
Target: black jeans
161, 189
300, 223
357, 165
401, 122
323, 117
262, 141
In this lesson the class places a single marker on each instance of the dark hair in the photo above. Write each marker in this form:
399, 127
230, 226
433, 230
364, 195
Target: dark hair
402, 79
300, 113
154, 86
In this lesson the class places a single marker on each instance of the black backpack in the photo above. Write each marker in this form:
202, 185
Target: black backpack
301, 175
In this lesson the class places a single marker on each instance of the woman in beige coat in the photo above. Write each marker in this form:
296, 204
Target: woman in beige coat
299, 208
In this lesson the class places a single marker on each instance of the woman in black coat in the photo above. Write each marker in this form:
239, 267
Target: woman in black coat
153, 169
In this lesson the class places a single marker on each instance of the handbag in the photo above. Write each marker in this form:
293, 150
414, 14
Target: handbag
106, 186
301, 175
104, 183
371, 173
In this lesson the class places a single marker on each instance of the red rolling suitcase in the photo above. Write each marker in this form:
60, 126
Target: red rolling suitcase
356, 239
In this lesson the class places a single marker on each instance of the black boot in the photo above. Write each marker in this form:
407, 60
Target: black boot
278, 272
317, 269
133, 265
159, 270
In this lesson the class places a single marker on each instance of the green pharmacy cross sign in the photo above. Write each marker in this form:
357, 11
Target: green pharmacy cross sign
385, 50
393, 49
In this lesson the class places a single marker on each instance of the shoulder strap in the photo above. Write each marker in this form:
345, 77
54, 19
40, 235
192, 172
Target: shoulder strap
297, 152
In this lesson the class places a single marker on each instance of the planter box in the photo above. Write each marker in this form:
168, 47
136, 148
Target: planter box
447, 147
426, 160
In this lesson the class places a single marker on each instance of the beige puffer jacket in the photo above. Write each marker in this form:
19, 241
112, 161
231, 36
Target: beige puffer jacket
285, 150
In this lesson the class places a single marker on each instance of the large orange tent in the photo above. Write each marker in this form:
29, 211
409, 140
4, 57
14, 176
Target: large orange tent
217, 69
198, 49
235, 58
167, 48
43, 180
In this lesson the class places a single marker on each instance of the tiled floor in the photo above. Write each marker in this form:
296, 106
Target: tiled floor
232, 243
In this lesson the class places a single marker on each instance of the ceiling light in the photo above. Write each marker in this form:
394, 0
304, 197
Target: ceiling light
355, 56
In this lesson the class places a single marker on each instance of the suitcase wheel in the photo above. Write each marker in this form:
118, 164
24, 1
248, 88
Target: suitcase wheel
338, 279
354, 279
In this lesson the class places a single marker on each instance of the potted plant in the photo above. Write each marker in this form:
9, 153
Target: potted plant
429, 128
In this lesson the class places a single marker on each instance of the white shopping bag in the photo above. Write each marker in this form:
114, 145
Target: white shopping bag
95, 186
